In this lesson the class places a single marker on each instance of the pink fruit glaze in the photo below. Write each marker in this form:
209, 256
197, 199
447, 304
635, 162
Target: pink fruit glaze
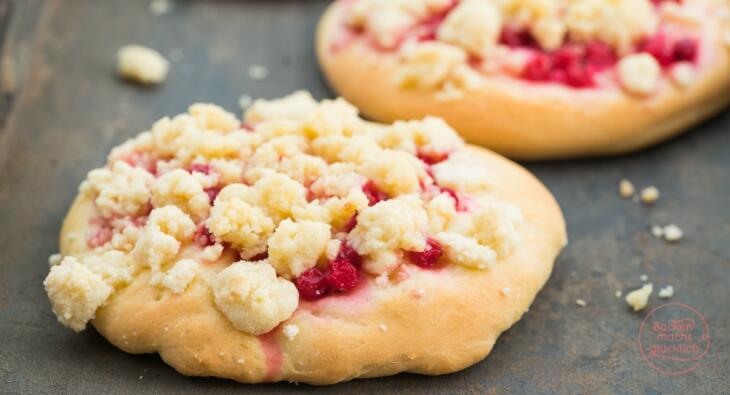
272, 353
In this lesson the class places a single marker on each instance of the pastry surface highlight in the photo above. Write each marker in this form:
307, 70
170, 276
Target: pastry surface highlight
533, 79
303, 244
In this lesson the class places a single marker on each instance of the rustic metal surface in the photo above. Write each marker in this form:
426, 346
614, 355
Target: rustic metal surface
62, 109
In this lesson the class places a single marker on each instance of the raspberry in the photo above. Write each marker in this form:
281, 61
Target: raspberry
259, 257
374, 194
658, 47
311, 284
200, 168
429, 256
212, 193
565, 56
342, 275
514, 37
538, 68
578, 76
600, 54
203, 237
685, 50
349, 254
431, 158
350, 225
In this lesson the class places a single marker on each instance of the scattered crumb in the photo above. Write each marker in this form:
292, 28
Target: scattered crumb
140, 377
505, 291
666, 292
291, 331
672, 233
683, 74
657, 231
383, 327
618, 294
638, 299
649, 195
644, 277
244, 101
221, 354
420, 292
240, 360
141, 64
257, 72
55, 259
160, 7
382, 279
626, 188
581, 302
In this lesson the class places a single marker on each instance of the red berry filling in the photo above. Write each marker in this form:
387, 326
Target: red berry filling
374, 194
431, 158
429, 256
342, 275
514, 37
668, 52
311, 284
259, 257
203, 237
200, 168
212, 193
100, 237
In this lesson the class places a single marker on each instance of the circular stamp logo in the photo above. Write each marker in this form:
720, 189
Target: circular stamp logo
673, 338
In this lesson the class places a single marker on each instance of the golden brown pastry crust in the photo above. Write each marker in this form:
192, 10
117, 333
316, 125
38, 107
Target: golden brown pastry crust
523, 120
433, 322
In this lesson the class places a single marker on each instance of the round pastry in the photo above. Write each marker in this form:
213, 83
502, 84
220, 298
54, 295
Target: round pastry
534, 79
304, 244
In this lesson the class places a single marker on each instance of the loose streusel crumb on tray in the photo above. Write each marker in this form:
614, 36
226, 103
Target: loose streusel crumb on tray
301, 194
451, 45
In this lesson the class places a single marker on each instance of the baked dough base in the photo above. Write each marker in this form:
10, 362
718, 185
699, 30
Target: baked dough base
433, 322
523, 120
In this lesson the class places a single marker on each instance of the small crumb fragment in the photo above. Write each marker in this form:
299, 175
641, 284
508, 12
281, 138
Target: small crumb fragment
672, 233
257, 72
291, 331
505, 291
657, 231
581, 302
240, 360
626, 188
649, 195
160, 7
244, 101
644, 277
55, 259
618, 294
383, 327
638, 299
140, 377
666, 292
141, 64
382, 279
221, 354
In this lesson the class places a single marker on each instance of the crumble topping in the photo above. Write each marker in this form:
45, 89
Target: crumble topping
638, 299
449, 46
75, 292
142, 64
306, 197
253, 298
